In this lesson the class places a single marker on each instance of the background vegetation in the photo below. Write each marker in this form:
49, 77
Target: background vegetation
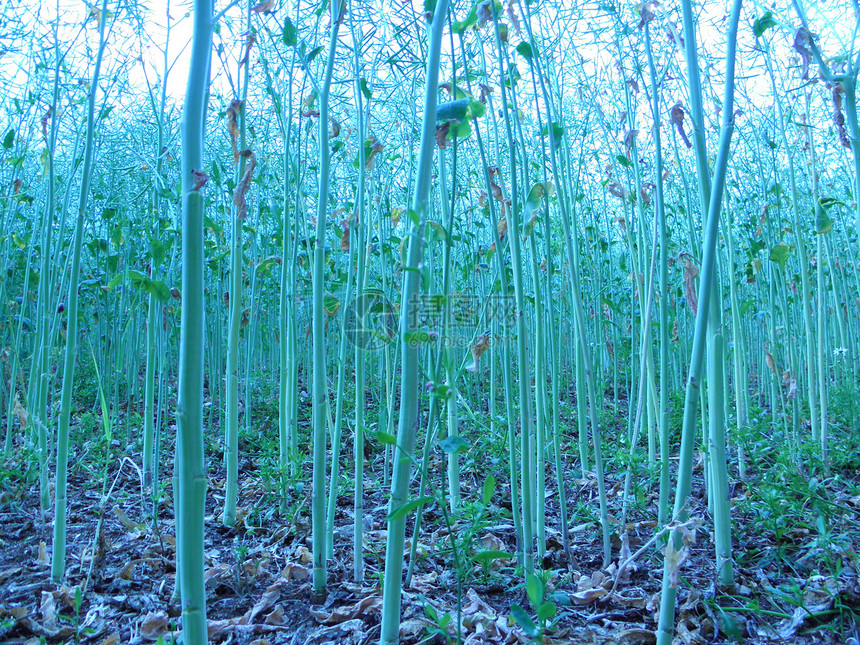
489, 322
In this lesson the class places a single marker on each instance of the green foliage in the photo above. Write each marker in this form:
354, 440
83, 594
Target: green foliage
545, 609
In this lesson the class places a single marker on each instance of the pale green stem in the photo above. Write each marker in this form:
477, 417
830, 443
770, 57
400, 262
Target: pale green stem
58, 560
409, 411
320, 388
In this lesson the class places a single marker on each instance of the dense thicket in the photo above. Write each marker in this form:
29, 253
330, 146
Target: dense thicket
560, 266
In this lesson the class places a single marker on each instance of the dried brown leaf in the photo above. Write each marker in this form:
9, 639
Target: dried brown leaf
676, 116
154, 625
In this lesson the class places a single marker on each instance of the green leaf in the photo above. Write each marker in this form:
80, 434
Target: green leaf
525, 50
386, 438
9, 139
290, 34
624, 161
460, 130
362, 83
313, 54
764, 23
534, 589
459, 26
439, 229
159, 290
453, 110
524, 621
485, 557
477, 109
827, 202
488, 489
823, 221
779, 254
546, 611
330, 304
442, 391
555, 132
157, 251
533, 202
453, 445
408, 507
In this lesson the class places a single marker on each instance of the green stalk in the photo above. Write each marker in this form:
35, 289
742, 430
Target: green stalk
58, 560
811, 381
660, 214
190, 479
448, 350
685, 463
409, 391
231, 427
523, 375
359, 239
320, 388
505, 330
584, 356
338, 416
739, 355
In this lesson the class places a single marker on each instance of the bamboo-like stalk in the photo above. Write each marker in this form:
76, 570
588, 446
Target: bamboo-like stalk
190, 478
806, 304
238, 128
359, 238
58, 559
685, 463
409, 418
501, 326
320, 388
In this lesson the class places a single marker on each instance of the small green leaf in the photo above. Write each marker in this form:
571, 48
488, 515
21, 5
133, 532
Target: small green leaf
386, 438
362, 83
442, 391
313, 54
430, 612
459, 26
453, 445
534, 589
488, 489
823, 222
453, 110
764, 23
533, 202
485, 557
408, 507
624, 161
9, 139
290, 34
159, 290
330, 304
157, 251
477, 109
546, 611
524, 621
525, 50
779, 254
